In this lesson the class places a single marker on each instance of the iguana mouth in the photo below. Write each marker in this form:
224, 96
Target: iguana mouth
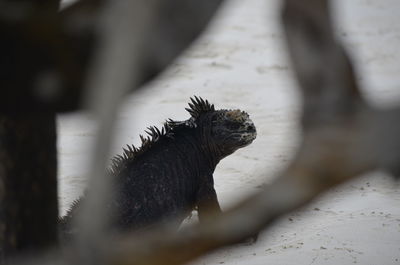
248, 137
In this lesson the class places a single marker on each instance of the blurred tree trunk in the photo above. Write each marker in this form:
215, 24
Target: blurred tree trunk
28, 183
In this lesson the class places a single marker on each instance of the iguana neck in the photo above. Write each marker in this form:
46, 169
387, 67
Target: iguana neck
210, 150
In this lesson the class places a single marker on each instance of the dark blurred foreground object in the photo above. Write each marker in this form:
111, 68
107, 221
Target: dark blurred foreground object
28, 186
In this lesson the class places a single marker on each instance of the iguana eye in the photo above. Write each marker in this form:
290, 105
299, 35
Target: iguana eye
234, 126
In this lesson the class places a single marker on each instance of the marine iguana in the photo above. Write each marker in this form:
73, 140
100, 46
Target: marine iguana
171, 174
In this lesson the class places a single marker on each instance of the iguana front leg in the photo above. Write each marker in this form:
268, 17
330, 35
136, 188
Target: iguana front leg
208, 207
207, 202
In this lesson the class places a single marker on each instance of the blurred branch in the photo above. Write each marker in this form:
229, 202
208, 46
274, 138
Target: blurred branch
124, 59
123, 27
323, 69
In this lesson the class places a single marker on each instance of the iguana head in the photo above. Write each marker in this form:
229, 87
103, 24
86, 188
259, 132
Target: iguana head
228, 130
233, 129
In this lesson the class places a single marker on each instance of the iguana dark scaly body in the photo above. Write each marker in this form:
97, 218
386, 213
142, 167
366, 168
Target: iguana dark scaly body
172, 173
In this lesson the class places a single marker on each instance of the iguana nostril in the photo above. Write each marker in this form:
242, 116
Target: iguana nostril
251, 128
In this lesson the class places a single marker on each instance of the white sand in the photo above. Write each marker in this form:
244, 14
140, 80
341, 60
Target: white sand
241, 63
